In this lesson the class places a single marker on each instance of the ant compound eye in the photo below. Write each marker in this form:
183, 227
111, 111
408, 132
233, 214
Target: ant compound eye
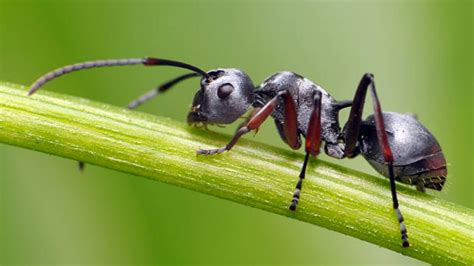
225, 90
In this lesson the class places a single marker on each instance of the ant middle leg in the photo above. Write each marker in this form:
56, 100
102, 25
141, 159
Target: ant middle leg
312, 145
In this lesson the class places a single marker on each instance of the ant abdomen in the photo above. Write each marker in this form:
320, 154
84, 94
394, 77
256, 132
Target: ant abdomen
418, 159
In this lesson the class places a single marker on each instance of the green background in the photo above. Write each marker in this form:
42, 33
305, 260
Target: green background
421, 53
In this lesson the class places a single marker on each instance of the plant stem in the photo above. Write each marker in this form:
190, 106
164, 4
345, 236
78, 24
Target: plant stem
252, 174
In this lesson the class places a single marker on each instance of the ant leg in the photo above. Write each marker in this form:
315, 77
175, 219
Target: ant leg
81, 165
352, 127
420, 186
148, 61
290, 122
148, 96
160, 89
254, 122
352, 135
313, 142
247, 119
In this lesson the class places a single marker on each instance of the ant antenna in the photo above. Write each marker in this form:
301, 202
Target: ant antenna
147, 61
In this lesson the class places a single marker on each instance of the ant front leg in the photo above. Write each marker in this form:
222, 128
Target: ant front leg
256, 120
313, 142
148, 96
351, 137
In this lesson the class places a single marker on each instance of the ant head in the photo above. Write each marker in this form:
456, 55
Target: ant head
225, 95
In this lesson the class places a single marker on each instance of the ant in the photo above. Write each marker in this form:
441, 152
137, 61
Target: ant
397, 145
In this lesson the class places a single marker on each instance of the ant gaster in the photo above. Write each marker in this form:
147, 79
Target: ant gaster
397, 145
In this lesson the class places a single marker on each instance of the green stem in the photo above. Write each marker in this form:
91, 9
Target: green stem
253, 174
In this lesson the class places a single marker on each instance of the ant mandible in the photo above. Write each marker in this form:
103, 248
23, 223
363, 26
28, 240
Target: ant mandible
397, 145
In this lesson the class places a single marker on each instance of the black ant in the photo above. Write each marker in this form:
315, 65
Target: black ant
397, 145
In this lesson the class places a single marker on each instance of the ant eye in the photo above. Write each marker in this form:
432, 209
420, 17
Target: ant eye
225, 90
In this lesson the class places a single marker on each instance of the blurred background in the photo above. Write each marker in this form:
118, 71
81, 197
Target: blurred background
421, 53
